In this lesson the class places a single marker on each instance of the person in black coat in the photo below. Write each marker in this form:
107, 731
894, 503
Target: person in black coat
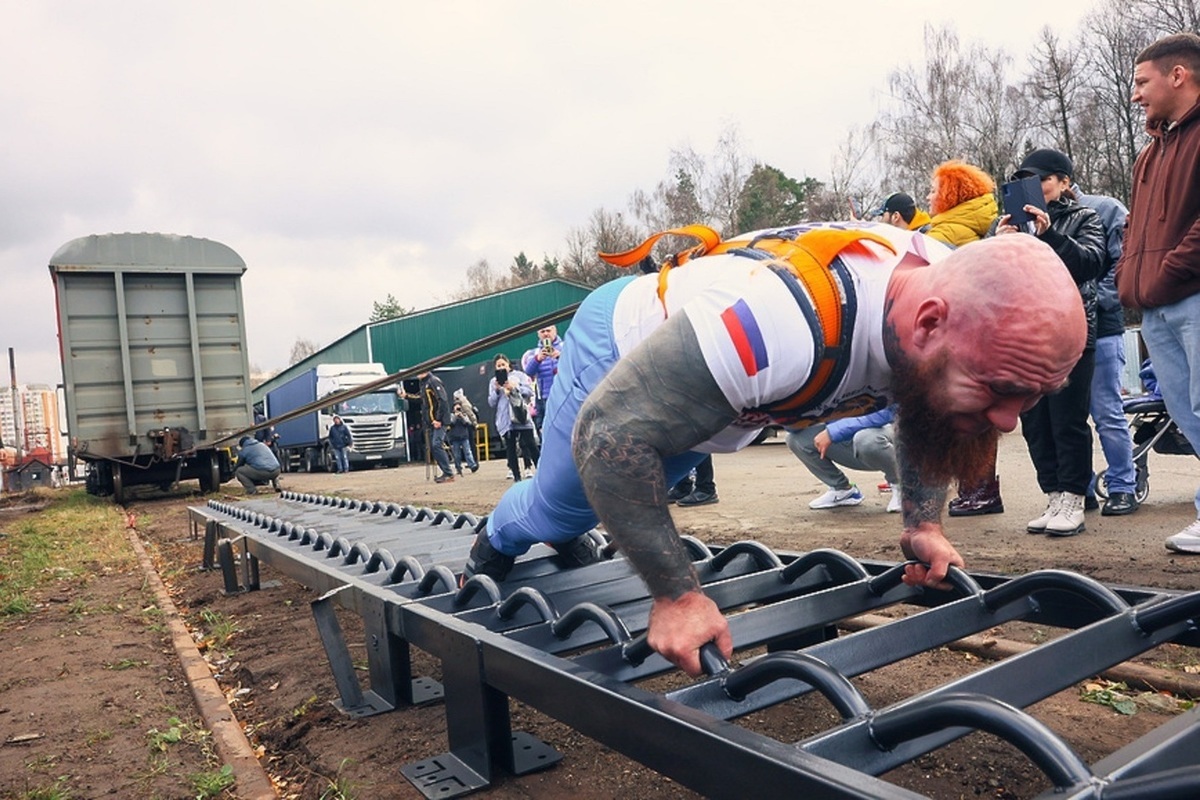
1056, 428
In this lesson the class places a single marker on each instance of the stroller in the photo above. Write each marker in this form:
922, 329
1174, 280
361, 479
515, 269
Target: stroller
1152, 429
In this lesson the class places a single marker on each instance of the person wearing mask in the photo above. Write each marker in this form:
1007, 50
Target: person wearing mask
510, 392
1056, 429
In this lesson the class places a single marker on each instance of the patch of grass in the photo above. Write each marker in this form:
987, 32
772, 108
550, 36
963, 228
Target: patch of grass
212, 784
160, 741
340, 787
56, 792
126, 663
218, 627
97, 736
74, 536
304, 708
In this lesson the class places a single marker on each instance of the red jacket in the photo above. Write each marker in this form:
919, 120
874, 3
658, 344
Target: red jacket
1161, 262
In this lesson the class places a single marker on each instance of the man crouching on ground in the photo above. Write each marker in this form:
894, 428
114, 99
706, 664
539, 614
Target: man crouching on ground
658, 370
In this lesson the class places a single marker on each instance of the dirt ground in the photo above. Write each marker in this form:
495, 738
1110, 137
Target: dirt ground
69, 717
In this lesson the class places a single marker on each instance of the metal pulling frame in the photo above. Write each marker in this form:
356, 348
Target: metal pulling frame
571, 643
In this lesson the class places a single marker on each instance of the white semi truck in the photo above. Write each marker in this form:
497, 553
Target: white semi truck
375, 418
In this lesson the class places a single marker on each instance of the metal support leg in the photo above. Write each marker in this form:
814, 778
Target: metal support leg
228, 563
389, 661
353, 700
210, 545
478, 727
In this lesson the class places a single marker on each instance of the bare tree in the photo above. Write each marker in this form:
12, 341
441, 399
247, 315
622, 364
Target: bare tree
1057, 84
302, 349
1161, 17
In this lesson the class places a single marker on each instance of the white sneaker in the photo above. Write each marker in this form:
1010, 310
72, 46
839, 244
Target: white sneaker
893, 506
1068, 521
1039, 525
1187, 540
838, 497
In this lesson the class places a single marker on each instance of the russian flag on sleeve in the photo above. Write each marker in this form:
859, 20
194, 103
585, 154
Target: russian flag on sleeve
746, 336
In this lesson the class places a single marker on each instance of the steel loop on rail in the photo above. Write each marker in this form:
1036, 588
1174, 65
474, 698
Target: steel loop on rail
527, 596
763, 556
1087, 588
979, 712
835, 686
605, 617
837, 562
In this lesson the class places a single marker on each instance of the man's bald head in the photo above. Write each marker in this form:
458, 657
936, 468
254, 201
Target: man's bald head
977, 338
1013, 285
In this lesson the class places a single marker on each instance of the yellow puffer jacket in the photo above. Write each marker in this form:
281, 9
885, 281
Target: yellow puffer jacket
966, 222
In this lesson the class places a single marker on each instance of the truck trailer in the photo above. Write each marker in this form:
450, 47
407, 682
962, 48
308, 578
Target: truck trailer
375, 418
152, 338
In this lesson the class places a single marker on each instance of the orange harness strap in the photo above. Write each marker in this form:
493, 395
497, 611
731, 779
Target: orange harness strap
808, 258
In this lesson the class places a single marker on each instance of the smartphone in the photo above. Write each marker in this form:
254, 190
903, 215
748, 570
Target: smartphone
1020, 193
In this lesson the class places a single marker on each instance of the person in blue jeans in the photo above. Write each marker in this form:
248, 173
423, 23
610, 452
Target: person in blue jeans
1107, 407
340, 440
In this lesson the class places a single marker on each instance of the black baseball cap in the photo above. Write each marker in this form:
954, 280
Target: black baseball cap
1045, 161
900, 201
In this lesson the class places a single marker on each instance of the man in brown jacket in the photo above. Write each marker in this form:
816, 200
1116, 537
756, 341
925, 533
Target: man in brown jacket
1160, 269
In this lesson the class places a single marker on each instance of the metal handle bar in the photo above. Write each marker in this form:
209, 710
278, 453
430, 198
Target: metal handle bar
835, 686
606, 618
834, 560
978, 712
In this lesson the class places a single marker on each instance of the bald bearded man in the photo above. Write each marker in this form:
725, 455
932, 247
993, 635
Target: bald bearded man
661, 369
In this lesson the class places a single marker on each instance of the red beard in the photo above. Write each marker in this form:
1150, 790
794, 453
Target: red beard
925, 432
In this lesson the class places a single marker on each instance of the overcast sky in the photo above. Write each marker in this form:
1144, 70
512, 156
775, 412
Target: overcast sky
347, 150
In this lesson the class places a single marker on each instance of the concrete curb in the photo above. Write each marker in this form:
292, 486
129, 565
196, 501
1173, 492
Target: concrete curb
230, 740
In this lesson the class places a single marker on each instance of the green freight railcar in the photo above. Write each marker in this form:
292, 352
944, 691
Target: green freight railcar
153, 342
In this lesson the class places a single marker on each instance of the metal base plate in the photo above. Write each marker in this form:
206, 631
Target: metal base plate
531, 755
447, 776
443, 776
372, 704
426, 690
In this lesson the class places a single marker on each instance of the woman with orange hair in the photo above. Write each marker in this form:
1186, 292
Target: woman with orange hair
962, 201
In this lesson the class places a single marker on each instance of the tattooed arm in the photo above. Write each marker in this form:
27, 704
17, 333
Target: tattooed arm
923, 538
658, 401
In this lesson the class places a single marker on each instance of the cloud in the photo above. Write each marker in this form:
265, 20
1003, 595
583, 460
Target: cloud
350, 150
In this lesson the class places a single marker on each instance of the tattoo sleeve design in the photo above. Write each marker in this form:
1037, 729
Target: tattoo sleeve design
658, 401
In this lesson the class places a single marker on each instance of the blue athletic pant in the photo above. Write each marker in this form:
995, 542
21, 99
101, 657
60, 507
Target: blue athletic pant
552, 507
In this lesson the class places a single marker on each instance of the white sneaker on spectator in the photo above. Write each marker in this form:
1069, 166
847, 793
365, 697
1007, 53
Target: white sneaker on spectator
894, 504
1068, 521
1187, 540
1039, 525
838, 497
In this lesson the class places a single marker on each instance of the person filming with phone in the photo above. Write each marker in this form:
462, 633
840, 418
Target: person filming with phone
541, 364
1056, 430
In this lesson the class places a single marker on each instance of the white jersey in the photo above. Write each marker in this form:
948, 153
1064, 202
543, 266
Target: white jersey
753, 333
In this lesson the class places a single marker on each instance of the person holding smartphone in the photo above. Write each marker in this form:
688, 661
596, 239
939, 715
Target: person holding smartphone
541, 364
1056, 430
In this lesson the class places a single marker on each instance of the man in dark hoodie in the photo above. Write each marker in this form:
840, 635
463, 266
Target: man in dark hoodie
1159, 271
